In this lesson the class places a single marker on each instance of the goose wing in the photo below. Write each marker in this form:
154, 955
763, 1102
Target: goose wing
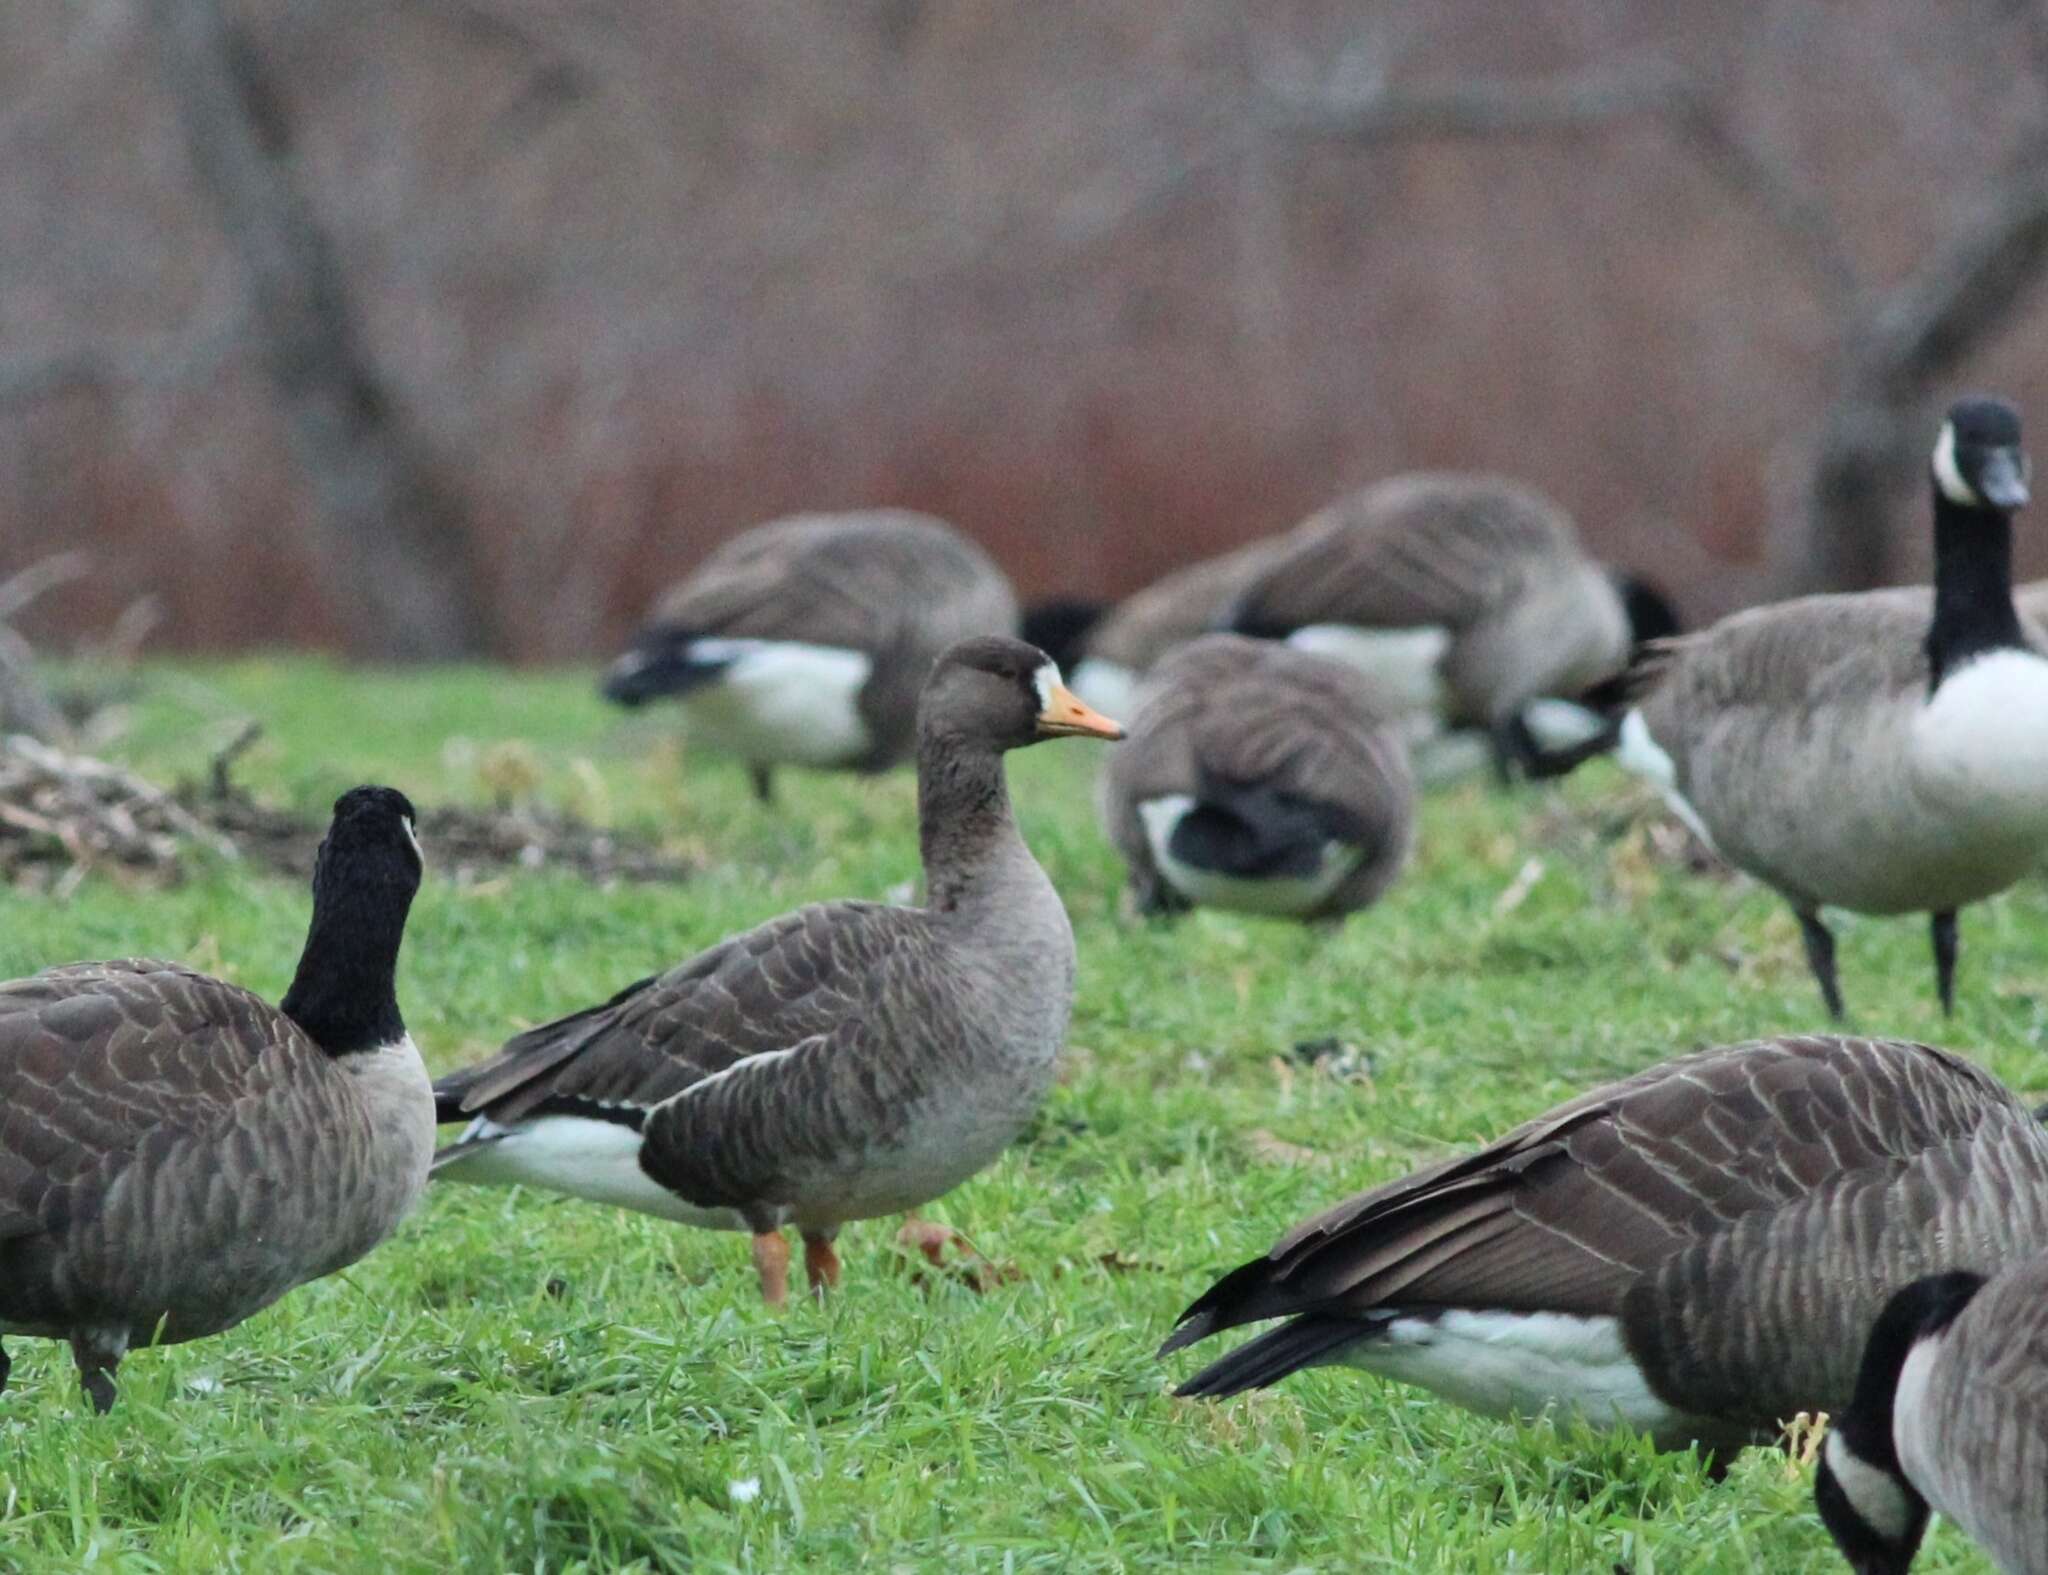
1410, 552
771, 1017
104, 1062
1740, 1209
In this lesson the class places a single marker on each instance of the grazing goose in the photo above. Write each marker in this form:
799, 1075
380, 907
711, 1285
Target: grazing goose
176, 1154
1950, 1414
1468, 600
1846, 750
1133, 635
805, 641
1694, 1251
1258, 778
844, 1061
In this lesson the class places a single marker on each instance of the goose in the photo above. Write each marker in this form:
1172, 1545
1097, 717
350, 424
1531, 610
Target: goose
176, 1153
844, 1061
1694, 1251
1258, 778
1468, 600
1846, 750
1950, 1414
1124, 644
804, 641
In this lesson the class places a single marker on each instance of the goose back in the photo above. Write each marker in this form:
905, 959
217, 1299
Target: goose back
894, 586
1492, 565
1224, 717
175, 1153
1741, 1213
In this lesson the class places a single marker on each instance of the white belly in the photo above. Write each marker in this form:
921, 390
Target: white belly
598, 1161
783, 702
1404, 666
1286, 895
1980, 743
1522, 1364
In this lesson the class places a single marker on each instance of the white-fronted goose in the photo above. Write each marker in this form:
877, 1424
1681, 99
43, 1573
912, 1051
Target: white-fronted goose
176, 1154
1846, 751
1950, 1415
1695, 1251
805, 641
1258, 778
1467, 599
845, 1061
1138, 631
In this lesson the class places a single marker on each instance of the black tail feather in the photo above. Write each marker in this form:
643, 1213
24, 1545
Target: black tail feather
1307, 1341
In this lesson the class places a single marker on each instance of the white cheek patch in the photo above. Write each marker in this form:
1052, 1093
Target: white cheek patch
1875, 1493
412, 835
1946, 474
1045, 681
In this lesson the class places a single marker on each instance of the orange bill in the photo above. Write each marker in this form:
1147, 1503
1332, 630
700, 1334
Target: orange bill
1065, 714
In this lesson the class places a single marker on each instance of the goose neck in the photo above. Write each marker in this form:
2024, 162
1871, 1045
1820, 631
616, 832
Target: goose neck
1973, 608
345, 993
966, 832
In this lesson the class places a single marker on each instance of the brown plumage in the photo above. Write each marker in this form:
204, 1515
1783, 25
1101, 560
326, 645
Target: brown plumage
1492, 567
844, 1061
805, 640
1696, 1249
176, 1153
1262, 778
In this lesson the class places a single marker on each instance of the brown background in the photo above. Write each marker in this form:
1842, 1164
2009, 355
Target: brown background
638, 274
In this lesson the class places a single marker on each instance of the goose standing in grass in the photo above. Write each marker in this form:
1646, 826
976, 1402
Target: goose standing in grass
176, 1154
1259, 778
1950, 1415
1132, 637
1695, 1252
1467, 600
805, 641
844, 1061
1847, 751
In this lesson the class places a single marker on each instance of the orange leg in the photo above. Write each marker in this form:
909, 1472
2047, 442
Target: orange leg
821, 1264
771, 1262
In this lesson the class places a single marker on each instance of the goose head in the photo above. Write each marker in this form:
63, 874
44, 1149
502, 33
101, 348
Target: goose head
1978, 461
1876, 1516
1004, 693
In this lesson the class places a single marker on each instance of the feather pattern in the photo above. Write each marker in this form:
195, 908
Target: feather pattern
1225, 718
1743, 1212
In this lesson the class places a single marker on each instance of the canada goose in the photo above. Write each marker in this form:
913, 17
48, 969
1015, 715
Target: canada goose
805, 641
176, 1154
844, 1061
1134, 634
1258, 778
1845, 750
1694, 1251
1467, 599
1950, 1414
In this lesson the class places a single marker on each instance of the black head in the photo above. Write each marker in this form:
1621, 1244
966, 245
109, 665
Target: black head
992, 689
1651, 614
364, 879
1875, 1515
1060, 627
1978, 461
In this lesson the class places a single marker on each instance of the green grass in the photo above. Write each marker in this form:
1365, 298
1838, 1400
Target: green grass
518, 1383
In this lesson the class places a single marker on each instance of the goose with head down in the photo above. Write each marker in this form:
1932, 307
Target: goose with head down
805, 641
847, 1060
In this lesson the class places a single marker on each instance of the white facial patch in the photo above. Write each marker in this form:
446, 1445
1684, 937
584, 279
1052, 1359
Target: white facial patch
1874, 1492
1946, 475
412, 835
1045, 681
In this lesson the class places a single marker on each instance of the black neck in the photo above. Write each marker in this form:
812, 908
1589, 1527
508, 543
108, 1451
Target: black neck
345, 993
963, 815
1973, 610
